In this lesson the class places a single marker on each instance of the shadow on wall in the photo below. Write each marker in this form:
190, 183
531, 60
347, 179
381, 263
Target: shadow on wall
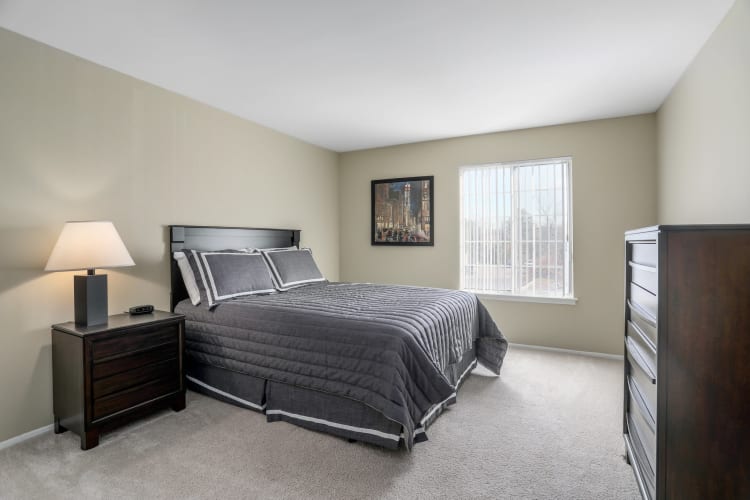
23, 254
39, 390
32, 382
25, 250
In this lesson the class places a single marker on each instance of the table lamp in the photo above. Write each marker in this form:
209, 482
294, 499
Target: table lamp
88, 245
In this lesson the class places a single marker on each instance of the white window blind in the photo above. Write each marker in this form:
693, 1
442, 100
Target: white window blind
516, 222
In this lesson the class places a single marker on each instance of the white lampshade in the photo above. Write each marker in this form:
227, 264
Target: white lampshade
88, 245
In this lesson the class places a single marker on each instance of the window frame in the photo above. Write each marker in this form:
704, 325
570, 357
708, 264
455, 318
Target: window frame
516, 297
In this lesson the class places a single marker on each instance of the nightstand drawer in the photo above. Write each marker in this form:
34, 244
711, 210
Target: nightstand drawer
124, 380
135, 360
135, 395
142, 338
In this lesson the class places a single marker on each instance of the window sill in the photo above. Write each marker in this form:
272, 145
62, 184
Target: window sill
571, 301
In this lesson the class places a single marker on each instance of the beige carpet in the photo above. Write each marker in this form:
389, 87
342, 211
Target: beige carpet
549, 427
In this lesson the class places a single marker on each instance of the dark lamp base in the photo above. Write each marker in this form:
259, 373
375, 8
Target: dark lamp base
90, 297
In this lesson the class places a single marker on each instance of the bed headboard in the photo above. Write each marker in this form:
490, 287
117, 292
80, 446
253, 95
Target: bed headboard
220, 238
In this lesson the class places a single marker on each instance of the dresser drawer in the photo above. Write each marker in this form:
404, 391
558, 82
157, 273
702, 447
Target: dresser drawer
643, 385
644, 253
647, 471
645, 325
645, 276
644, 300
646, 429
135, 360
641, 350
140, 376
134, 340
135, 395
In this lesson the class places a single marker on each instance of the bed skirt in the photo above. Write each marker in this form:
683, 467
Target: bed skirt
316, 410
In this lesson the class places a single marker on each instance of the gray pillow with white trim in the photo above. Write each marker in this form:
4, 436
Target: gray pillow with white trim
226, 274
292, 268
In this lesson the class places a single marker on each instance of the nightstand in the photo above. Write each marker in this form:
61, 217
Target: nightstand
106, 375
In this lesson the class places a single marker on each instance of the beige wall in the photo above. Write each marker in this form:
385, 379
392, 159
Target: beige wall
614, 170
78, 141
704, 131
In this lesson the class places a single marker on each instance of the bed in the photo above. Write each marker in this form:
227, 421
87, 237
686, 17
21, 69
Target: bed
374, 363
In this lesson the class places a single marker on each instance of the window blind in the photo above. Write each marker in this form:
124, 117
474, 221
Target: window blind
516, 228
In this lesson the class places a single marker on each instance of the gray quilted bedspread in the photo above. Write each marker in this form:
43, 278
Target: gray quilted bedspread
390, 347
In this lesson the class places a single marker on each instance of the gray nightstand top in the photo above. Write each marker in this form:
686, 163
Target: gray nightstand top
117, 322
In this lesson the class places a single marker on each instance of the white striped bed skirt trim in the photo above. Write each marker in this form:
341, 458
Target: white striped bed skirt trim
321, 421
418, 430
225, 394
453, 395
361, 430
328, 423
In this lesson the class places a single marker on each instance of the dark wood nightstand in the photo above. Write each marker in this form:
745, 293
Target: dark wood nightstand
105, 375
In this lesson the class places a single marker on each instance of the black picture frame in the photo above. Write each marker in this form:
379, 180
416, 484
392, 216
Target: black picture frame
397, 211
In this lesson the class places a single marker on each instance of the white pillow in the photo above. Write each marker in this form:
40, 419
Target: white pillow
188, 277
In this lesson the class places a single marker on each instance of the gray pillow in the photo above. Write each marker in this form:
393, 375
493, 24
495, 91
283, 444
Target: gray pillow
292, 268
226, 274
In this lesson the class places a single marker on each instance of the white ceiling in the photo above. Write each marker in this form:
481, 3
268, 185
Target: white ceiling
347, 74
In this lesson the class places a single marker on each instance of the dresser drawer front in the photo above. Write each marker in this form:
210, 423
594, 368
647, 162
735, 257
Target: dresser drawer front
140, 376
645, 325
646, 389
646, 430
644, 300
640, 461
123, 400
645, 277
639, 348
135, 360
135, 340
644, 253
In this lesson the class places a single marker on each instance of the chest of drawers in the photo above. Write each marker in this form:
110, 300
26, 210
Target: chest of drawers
686, 417
104, 375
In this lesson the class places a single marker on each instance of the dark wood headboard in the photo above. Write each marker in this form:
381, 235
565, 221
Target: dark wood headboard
220, 238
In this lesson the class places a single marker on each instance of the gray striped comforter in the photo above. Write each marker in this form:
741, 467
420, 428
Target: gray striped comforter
394, 348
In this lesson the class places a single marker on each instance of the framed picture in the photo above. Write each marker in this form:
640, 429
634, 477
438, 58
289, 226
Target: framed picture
403, 211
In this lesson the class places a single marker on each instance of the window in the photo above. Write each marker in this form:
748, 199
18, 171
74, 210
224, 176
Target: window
516, 227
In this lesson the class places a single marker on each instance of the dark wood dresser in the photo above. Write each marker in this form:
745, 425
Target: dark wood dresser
107, 374
687, 370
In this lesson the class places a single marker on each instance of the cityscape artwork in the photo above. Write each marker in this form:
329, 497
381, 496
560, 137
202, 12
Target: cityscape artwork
402, 211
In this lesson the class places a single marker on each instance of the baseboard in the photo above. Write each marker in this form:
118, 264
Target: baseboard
570, 351
23, 437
